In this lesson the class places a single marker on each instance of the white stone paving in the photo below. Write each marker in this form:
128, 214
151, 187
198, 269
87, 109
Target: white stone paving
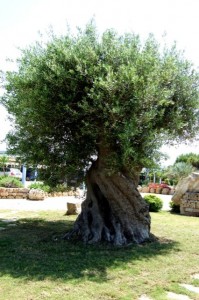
190, 287
50, 203
144, 297
56, 203
175, 296
195, 276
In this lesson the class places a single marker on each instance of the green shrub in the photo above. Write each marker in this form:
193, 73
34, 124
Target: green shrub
155, 203
41, 186
49, 189
10, 182
60, 188
174, 207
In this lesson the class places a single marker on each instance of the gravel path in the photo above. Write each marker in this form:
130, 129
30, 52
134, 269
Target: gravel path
51, 203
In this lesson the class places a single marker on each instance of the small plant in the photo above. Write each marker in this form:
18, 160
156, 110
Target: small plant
60, 188
10, 182
175, 208
40, 186
155, 203
49, 189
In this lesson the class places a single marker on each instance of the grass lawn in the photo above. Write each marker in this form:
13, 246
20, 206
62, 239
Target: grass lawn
35, 263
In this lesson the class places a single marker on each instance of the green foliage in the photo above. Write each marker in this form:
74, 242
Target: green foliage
60, 188
41, 186
47, 188
190, 158
10, 182
155, 203
53, 175
170, 181
174, 207
179, 170
3, 161
77, 97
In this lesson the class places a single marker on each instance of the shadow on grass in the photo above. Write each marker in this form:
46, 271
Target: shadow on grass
34, 250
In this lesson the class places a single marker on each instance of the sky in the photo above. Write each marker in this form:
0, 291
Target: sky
21, 21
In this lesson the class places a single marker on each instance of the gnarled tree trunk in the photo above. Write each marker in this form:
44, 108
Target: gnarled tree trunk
113, 210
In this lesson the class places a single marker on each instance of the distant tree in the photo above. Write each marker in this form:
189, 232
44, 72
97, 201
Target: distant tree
104, 105
179, 170
190, 158
3, 160
156, 174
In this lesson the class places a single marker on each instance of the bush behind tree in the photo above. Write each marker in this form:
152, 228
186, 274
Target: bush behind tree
175, 208
155, 203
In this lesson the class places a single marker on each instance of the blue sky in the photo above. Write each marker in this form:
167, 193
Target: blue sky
21, 20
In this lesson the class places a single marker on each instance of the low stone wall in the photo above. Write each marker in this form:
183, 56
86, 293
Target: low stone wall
14, 193
33, 194
190, 204
61, 194
77, 193
164, 191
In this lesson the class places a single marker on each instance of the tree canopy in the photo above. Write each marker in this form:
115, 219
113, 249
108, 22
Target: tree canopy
179, 170
189, 158
74, 96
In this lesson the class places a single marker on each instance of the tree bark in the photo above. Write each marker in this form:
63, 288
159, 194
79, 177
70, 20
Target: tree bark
113, 210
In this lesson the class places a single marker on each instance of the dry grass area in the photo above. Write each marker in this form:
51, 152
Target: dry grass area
35, 263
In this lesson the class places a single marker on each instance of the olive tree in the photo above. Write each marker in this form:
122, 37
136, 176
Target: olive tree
103, 104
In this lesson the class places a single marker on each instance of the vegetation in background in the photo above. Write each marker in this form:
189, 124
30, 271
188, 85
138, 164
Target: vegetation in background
40, 186
47, 188
10, 182
157, 175
175, 208
184, 165
179, 170
190, 158
3, 161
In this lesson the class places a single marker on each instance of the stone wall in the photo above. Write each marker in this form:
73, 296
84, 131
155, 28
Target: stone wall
77, 193
61, 194
164, 191
13, 193
190, 204
187, 195
33, 194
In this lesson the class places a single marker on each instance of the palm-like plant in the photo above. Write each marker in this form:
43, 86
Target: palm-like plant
3, 161
180, 170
